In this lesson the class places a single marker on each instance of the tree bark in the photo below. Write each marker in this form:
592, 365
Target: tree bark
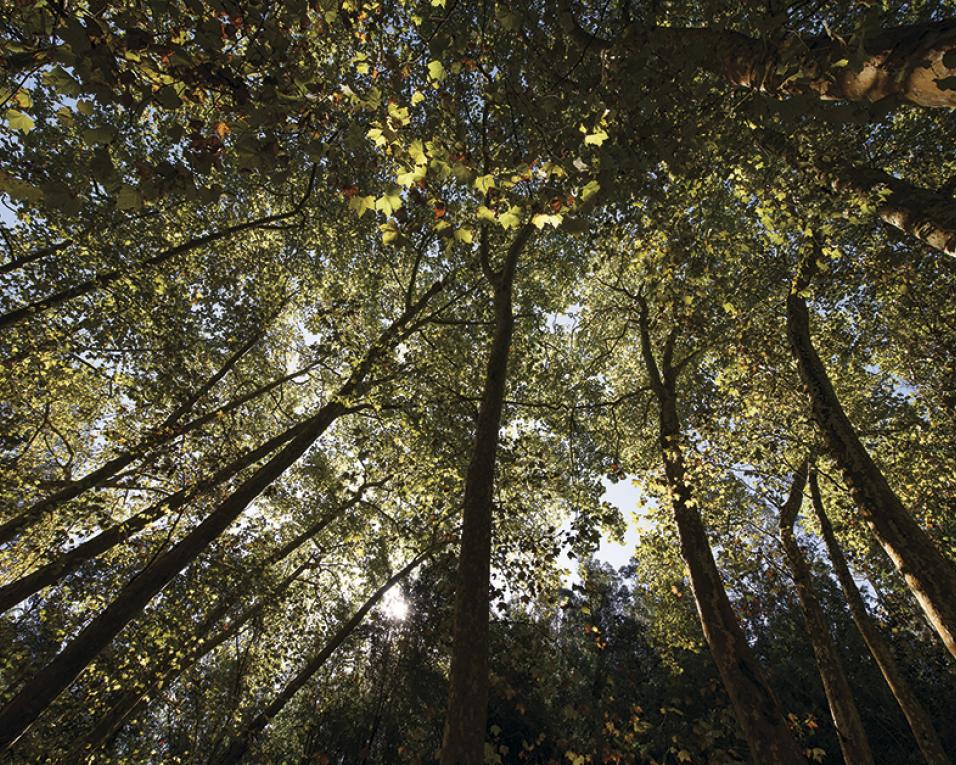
921, 213
904, 63
919, 721
911, 64
843, 709
38, 693
755, 706
930, 577
463, 740
165, 671
18, 315
239, 745
19, 590
926, 215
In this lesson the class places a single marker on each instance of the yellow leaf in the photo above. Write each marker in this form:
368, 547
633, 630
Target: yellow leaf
361, 204
465, 235
436, 71
595, 139
484, 182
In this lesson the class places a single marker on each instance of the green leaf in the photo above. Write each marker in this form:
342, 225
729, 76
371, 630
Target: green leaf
590, 189
436, 71
129, 198
541, 220
361, 204
17, 120
388, 203
484, 182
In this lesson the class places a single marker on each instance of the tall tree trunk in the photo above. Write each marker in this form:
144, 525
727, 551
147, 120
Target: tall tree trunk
908, 63
843, 710
755, 705
50, 573
239, 745
158, 435
920, 722
136, 699
180, 657
930, 577
106, 278
38, 693
463, 741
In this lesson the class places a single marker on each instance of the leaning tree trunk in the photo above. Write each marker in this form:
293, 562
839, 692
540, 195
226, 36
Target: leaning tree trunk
38, 693
908, 63
239, 745
755, 705
912, 64
919, 720
464, 735
926, 215
50, 573
930, 577
843, 710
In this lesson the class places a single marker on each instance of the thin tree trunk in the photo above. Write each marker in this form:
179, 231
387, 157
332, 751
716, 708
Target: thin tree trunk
843, 709
919, 720
19, 590
24, 708
135, 700
239, 745
18, 315
930, 577
463, 740
755, 705
158, 435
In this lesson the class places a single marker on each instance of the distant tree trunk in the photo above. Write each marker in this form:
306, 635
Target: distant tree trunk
843, 710
239, 745
464, 735
24, 708
136, 699
930, 577
755, 705
50, 573
920, 722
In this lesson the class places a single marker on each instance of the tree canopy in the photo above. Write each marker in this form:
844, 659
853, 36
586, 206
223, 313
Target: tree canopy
325, 326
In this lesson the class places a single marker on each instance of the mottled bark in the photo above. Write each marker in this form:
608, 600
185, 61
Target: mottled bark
755, 706
911, 64
464, 735
925, 215
843, 710
239, 745
919, 720
37, 694
928, 574
903, 63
